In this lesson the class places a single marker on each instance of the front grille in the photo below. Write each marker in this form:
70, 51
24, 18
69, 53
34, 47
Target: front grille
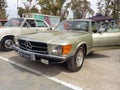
33, 46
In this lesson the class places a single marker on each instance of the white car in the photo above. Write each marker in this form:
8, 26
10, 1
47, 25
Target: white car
19, 26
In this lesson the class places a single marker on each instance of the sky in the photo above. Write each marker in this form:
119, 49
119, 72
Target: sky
12, 7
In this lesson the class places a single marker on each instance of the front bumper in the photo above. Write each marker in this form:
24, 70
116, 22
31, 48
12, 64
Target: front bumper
51, 59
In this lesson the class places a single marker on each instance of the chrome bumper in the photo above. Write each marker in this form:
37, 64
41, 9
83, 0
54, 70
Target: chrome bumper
38, 56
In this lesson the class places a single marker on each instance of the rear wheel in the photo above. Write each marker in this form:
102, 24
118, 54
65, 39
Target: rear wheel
76, 62
6, 44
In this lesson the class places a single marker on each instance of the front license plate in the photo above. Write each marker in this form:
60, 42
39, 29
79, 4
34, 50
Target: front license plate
27, 56
44, 61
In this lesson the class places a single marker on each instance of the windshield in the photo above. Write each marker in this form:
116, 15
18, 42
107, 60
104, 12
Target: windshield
73, 25
14, 22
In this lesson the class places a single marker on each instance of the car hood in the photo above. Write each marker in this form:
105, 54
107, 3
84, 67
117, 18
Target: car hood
55, 37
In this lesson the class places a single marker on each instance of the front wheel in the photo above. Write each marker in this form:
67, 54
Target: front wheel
76, 62
6, 44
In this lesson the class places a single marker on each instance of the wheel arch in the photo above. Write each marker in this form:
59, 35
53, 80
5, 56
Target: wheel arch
7, 36
84, 45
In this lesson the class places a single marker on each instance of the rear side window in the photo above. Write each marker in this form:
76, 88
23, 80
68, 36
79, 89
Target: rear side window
40, 23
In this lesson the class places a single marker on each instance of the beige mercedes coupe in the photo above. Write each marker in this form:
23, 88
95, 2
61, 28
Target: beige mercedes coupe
70, 42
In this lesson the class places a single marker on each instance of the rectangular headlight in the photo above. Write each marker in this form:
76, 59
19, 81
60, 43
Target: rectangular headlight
56, 49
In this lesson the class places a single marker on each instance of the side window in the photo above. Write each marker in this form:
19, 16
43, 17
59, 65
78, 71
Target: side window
31, 23
113, 28
40, 23
110, 28
107, 27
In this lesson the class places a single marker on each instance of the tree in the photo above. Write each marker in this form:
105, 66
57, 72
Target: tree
103, 7
110, 8
81, 8
3, 5
54, 7
28, 8
65, 12
115, 6
45, 6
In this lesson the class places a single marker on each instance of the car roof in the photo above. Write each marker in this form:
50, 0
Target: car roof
22, 18
28, 18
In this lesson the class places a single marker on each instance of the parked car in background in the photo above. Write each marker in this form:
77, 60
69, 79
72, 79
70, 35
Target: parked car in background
19, 26
53, 21
70, 42
2, 22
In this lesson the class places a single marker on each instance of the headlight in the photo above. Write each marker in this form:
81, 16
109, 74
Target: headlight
60, 49
55, 50
16, 40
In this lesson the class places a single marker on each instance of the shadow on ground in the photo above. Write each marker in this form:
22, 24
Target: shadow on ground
50, 70
96, 55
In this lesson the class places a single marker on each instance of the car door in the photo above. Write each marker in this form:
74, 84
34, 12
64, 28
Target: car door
109, 39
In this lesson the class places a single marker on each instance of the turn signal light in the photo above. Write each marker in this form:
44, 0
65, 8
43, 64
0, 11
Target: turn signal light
66, 49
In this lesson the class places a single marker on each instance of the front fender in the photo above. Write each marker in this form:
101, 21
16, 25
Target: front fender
80, 44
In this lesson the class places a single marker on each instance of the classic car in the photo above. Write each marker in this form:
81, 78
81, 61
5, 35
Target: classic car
19, 26
70, 42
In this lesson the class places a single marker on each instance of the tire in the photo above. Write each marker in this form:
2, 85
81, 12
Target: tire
76, 62
6, 44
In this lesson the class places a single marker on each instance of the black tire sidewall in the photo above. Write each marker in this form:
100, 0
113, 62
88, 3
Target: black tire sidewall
71, 64
3, 44
80, 48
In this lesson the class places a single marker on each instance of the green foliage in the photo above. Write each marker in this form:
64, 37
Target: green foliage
21, 11
28, 8
54, 7
3, 5
110, 8
81, 8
